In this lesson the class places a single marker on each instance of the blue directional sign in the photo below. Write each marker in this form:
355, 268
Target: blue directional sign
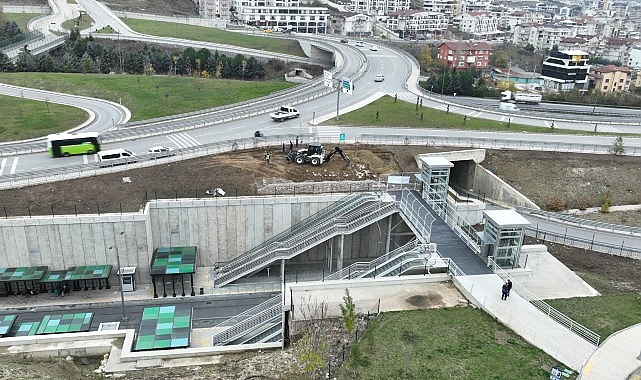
347, 86
341, 137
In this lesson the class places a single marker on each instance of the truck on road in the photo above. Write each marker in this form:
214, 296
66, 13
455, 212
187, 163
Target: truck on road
284, 113
521, 97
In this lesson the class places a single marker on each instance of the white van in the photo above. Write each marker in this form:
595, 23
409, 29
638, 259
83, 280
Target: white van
116, 157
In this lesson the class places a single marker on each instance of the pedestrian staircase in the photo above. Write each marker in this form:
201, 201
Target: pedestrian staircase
345, 217
256, 324
421, 255
357, 269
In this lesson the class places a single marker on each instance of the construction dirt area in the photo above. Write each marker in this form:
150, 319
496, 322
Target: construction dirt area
579, 180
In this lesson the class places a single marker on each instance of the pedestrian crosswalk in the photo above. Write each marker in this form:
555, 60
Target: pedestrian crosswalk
606, 128
328, 133
183, 140
8, 164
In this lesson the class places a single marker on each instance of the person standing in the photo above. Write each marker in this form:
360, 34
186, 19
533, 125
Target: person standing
291, 145
509, 287
504, 291
267, 157
283, 147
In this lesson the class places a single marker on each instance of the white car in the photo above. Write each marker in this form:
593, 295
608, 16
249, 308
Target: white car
373, 48
160, 151
379, 78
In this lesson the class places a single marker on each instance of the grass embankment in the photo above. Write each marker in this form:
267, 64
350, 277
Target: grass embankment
22, 19
25, 119
604, 315
214, 35
448, 343
406, 115
149, 96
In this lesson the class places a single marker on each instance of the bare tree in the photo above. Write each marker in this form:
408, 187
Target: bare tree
312, 344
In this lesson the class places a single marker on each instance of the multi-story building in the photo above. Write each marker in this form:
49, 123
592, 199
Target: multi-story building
615, 49
541, 36
214, 8
481, 24
279, 14
411, 23
450, 8
566, 70
462, 55
611, 78
379, 7
357, 25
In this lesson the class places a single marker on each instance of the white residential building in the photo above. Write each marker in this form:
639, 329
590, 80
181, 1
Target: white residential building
379, 7
285, 15
413, 22
214, 9
358, 25
481, 24
450, 8
541, 36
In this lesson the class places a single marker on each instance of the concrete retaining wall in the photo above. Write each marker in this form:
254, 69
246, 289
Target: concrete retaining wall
221, 228
485, 182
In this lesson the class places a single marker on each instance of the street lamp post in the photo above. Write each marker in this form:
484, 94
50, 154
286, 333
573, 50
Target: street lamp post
122, 294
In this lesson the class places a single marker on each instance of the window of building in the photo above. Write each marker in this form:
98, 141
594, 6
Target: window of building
607, 81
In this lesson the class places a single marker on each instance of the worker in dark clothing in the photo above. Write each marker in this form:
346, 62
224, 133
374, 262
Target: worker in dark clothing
509, 287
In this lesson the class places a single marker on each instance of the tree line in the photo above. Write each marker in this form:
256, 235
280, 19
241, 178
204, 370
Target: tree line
86, 55
10, 32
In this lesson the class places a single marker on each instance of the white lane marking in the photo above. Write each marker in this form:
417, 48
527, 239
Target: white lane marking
183, 140
2, 165
14, 165
85, 159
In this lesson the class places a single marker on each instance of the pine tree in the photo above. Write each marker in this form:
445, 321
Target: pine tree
348, 312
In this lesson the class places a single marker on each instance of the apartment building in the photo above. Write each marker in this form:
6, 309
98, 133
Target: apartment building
379, 7
352, 24
566, 70
541, 36
411, 23
611, 78
450, 8
214, 9
615, 49
282, 14
481, 24
461, 55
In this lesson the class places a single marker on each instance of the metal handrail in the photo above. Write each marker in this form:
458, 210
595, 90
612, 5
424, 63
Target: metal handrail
548, 310
617, 228
589, 244
492, 143
381, 264
417, 218
241, 328
459, 225
254, 310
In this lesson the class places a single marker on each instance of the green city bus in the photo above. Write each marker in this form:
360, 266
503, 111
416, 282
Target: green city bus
66, 144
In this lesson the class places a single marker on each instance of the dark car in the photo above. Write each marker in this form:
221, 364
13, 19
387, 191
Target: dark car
344, 40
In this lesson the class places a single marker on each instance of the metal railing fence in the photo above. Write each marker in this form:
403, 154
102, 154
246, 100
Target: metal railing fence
417, 214
588, 244
618, 228
491, 143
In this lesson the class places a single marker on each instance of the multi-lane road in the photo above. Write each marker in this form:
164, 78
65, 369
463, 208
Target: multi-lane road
359, 63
